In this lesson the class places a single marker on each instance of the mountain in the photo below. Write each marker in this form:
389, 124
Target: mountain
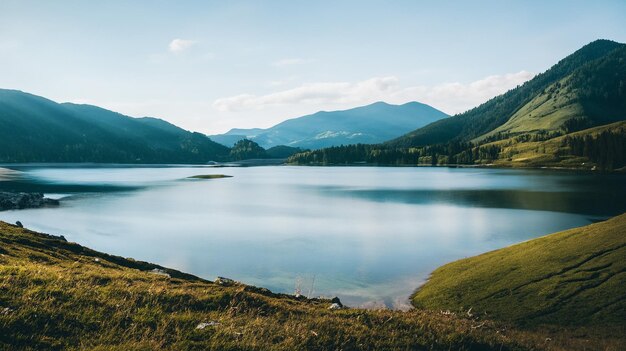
247, 149
573, 278
282, 151
369, 124
231, 137
594, 94
581, 92
35, 129
546, 102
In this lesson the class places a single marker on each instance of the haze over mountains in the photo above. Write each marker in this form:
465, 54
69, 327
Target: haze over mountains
369, 124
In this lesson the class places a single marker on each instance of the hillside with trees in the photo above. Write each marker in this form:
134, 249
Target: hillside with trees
35, 129
585, 90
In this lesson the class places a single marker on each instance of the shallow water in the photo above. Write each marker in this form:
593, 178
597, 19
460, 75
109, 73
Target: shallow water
368, 235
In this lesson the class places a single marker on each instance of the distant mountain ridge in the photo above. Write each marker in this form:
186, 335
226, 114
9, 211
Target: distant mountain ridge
369, 124
35, 129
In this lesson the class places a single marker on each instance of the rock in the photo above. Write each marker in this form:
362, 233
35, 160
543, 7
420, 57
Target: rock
207, 324
50, 202
15, 201
335, 306
337, 301
224, 281
158, 271
19, 224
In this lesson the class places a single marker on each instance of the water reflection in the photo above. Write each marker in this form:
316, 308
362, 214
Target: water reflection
597, 203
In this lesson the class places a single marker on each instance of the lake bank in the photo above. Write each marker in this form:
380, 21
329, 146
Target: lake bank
100, 300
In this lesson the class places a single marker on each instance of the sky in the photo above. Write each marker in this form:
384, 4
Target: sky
209, 66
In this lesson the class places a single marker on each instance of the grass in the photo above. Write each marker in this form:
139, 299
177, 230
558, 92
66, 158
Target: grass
56, 295
575, 278
210, 176
546, 112
61, 296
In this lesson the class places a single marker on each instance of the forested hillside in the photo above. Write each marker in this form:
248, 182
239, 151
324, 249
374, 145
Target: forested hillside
34, 129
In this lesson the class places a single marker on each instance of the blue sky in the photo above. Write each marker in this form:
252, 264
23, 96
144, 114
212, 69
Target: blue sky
214, 65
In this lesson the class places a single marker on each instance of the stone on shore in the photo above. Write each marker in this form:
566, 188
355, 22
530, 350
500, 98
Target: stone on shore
18, 201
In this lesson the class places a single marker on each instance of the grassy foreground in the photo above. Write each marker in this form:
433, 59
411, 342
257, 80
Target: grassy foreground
575, 278
56, 295
60, 295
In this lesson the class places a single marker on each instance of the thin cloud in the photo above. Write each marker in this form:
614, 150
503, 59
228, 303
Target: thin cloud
180, 45
311, 94
450, 97
291, 62
458, 97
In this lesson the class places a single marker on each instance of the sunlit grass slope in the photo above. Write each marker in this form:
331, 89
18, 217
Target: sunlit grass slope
572, 278
550, 153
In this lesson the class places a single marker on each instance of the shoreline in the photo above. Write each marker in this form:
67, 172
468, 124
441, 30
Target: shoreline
280, 163
408, 300
93, 297
10, 200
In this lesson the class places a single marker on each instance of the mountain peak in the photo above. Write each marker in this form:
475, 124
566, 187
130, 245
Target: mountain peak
379, 103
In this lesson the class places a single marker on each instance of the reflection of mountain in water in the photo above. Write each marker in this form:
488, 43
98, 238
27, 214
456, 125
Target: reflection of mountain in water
600, 203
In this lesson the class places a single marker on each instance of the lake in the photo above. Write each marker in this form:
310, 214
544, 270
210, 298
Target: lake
369, 235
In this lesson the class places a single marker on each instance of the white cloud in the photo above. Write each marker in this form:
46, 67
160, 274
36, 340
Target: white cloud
311, 94
291, 62
180, 45
458, 97
449, 97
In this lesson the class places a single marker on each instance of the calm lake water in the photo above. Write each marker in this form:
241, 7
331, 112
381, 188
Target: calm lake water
368, 235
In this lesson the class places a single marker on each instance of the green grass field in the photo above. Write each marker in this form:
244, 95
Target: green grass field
545, 112
572, 278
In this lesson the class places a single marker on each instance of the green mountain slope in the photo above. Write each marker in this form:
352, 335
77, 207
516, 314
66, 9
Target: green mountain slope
576, 277
56, 295
592, 95
34, 129
369, 124
601, 147
497, 111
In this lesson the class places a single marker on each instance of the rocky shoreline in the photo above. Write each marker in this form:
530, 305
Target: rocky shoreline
18, 201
